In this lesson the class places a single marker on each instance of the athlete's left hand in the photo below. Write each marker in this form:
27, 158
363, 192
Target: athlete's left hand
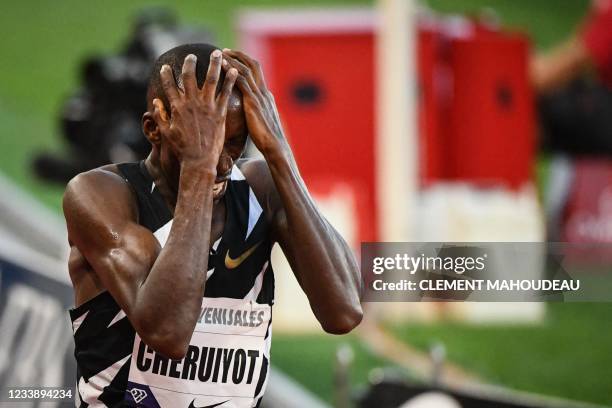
260, 110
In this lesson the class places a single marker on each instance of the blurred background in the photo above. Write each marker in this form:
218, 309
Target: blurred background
506, 136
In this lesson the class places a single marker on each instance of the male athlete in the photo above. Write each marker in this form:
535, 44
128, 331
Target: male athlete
170, 257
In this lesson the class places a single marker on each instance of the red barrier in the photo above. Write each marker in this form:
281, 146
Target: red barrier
476, 119
491, 140
324, 87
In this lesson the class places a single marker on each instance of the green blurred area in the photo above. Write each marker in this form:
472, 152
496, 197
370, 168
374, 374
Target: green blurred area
309, 359
568, 355
42, 45
546, 21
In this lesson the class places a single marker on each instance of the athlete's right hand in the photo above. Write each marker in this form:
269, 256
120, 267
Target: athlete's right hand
195, 127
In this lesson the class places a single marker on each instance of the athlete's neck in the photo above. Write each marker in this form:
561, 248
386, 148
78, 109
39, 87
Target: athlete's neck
166, 187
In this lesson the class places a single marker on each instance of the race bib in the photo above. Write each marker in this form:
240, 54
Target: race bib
223, 367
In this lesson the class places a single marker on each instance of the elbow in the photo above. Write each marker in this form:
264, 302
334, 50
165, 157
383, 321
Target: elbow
174, 350
168, 343
343, 322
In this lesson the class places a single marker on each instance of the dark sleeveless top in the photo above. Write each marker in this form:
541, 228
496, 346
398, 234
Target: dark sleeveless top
104, 337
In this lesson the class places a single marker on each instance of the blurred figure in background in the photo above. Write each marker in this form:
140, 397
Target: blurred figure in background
590, 45
576, 109
100, 121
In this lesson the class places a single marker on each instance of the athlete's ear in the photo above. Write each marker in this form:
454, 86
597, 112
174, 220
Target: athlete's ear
153, 122
150, 128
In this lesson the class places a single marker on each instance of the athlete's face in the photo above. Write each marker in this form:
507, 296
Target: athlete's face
235, 141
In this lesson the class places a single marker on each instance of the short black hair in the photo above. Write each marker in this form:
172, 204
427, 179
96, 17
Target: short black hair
175, 57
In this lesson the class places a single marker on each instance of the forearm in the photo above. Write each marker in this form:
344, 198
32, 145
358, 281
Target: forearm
325, 266
172, 292
557, 67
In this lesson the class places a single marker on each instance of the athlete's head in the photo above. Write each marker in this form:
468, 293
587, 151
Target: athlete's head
235, 123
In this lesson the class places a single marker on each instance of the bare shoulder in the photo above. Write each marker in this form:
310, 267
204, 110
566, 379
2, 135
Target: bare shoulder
105, 176
257, 174
100, 194
254, 169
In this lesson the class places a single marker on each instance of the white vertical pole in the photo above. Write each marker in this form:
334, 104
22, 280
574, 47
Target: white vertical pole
396, 119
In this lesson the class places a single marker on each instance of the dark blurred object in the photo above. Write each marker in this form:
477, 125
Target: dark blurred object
101, 121
395, 393
577, 119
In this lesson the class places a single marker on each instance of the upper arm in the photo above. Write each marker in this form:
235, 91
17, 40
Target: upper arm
101, 216
258, 176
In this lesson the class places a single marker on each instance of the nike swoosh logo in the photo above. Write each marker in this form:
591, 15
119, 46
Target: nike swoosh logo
207, 406
231, 263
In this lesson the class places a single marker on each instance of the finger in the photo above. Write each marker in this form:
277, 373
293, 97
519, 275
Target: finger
253, 65
248, 96
243, 70
244, 87
228, 85
188, 76
212, 76
169, 84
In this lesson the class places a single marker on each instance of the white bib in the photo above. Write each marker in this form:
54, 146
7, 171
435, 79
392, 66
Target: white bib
222, 367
